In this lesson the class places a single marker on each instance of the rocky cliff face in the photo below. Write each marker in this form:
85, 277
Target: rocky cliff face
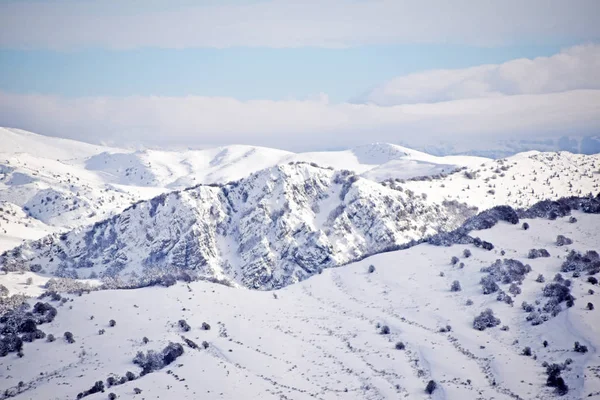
276, 227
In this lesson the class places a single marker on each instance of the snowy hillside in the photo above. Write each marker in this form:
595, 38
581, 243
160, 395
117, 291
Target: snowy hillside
276, 227
518, 181
355, 332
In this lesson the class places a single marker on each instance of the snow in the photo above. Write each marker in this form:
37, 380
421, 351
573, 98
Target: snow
319, 338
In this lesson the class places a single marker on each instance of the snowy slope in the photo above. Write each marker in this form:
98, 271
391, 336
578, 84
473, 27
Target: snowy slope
519, 181
321, 338
382, 161
15, 141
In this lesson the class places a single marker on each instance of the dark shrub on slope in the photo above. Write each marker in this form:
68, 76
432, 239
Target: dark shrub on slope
537, 253
485, 320
563, 240
431, 386
152, 361
488, 218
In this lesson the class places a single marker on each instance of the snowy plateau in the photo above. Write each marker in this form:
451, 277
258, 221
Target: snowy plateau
243, 272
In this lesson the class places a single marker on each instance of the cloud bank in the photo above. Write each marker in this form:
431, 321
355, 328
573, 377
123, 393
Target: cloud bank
301, 125
127, 24
574, 68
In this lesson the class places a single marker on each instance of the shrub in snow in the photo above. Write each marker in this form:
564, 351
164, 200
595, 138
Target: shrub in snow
561, 387
50, 338
35, 267
485, 320
488, 284
525, 226
190, 343
153, 361
101, 332
145, 340
205, 326
112, 396
467, 253
592, 280
454, 260
514, 289
184, 325
111, 381
563, 240
371, 269
580, 348
590, 306
431, 386
567, 282
455, 287
130, 376
527, 307
487, 245
69, 337
97, 388
555, 380
591, 291
469, 302
399, 346
171, 352
537, 253
112, 323
3, 290
507, 271
558, 278
488, 218
205, 344
588, 262
557, 291
545, 343
540, 278
385, 330
137, 390
504, 328
572, 220
527, 351
149, 361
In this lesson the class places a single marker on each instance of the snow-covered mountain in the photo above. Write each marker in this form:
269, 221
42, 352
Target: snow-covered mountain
287, 222
276, 227
357, 332
63, 184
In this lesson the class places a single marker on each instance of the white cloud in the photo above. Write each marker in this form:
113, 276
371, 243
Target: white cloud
574, 68
301, 125
126, 24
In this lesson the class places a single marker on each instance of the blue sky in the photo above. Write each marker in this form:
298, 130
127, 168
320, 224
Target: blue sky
243, 73
299, 74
